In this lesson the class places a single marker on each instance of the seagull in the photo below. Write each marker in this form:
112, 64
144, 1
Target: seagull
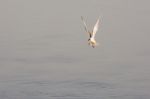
91, 41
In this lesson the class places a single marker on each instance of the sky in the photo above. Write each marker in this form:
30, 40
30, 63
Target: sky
35, 28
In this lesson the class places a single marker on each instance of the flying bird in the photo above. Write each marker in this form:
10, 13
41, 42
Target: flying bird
91, 41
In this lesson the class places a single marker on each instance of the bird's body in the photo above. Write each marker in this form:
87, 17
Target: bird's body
91, 41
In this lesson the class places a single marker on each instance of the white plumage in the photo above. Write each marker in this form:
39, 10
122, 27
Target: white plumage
91, 41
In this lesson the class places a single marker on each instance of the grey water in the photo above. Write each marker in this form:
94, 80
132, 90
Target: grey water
44, 52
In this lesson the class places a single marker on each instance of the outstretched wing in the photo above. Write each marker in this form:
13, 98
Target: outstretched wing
85, 26
95, 29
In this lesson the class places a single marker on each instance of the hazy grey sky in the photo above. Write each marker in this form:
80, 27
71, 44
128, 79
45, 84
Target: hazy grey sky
47, 26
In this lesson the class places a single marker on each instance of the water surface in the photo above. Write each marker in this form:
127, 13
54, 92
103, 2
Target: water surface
44, 52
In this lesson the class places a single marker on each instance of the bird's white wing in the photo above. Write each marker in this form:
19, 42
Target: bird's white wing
95, 29
85, 26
